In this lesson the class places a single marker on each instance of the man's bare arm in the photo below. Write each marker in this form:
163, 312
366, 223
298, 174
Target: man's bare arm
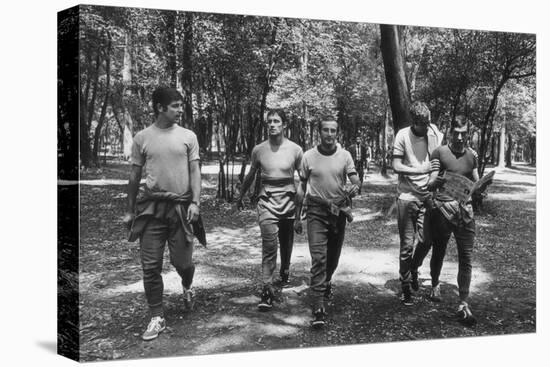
133, 187
195, 179
475, 175
300, 193
400, 167
249, 178
195, 182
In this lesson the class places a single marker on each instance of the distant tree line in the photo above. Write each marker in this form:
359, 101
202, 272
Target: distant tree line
231, 68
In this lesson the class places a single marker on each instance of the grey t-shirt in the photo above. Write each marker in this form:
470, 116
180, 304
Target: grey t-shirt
326, 175
166, 154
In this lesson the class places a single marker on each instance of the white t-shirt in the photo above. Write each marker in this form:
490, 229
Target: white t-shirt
415, 151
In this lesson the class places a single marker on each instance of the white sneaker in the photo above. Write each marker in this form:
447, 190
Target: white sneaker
155, 327
435, 296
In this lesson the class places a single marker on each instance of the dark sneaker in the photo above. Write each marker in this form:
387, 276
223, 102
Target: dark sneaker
435, 295
406, 297
414, 281
329, 292
464, 315
319, 318
155, 327
285, 279
266, 301
189, 298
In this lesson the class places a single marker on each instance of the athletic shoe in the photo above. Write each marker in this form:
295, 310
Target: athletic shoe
406, 297
414, 281
266, 301
285, 279
319, 318
329, 292
435, 295
464, 315
155, 327
189, 298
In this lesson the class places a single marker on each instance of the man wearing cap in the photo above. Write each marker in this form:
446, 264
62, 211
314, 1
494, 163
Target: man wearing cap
276, 159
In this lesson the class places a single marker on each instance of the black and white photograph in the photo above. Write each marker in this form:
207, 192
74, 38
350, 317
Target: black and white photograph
236, 180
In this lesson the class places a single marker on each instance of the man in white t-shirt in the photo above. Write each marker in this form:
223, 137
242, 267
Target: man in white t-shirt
411, 160
323, 176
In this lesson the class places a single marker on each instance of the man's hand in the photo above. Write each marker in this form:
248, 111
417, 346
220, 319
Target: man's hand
127, 219
193, 213
438, 182
298, 226
482, 188
354, 189
425, 167
434, 165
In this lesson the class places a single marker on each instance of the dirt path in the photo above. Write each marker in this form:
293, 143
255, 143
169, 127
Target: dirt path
365, 308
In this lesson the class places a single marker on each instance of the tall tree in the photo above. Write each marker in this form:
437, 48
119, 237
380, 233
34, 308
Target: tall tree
390, 45
187, 72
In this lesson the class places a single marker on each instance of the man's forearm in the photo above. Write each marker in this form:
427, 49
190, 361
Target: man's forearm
246, 183
195, 181
355, 180
299, 200
399, 167
133, 188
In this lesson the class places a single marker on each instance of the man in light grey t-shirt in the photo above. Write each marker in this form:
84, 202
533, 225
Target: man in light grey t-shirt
323, 176
411, 160
276, 159
169, 207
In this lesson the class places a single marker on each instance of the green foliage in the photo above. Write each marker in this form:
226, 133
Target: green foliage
242, 65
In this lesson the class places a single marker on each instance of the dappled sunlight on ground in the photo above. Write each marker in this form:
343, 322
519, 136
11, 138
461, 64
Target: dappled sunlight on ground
365, 308
204, 278
364, 214
529, 196
375, 267
235, 330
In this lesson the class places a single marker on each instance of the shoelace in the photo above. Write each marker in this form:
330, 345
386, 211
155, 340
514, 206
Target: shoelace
154, 324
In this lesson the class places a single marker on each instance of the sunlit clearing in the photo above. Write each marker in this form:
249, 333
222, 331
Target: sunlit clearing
364, 214
376, 267
529, 196
300, 318
220, 343
248, 300
204, 278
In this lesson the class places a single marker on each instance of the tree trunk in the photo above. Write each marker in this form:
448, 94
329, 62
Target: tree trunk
533, 150
187, 73
171, 49
501, 143
395, 76
493, 155
509, 151
487, 126
384, 167
101, 119
267, 80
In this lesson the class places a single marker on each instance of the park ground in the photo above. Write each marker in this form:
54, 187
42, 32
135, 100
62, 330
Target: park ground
365, 308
